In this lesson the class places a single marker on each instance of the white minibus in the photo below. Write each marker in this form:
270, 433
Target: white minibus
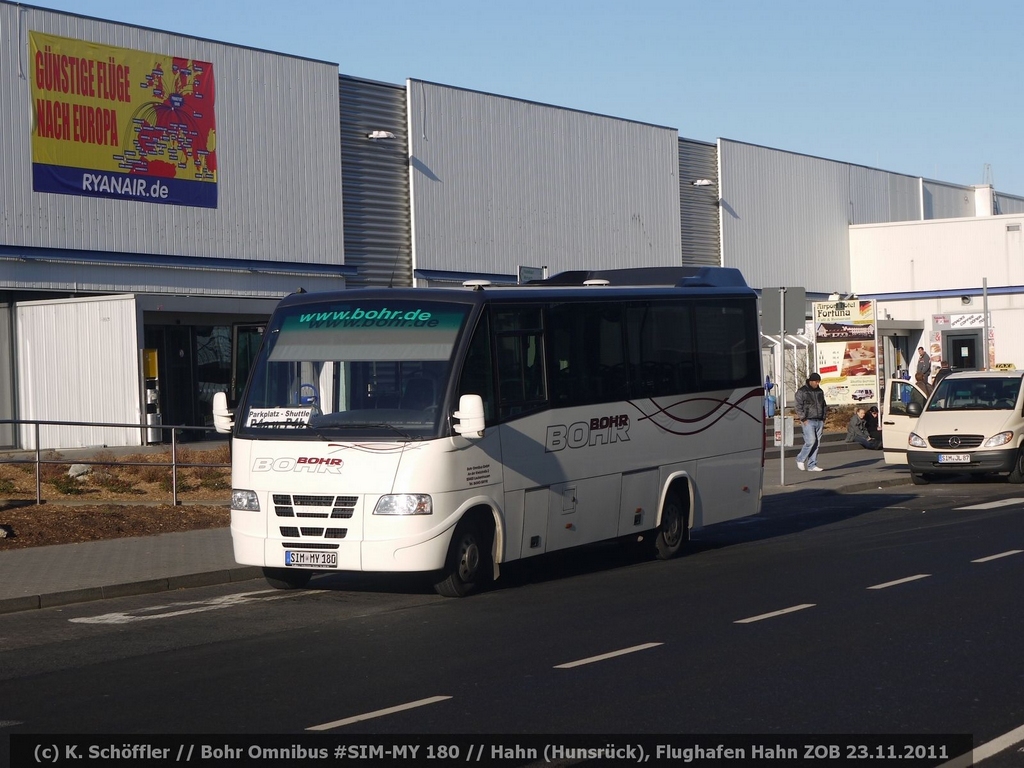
451, 430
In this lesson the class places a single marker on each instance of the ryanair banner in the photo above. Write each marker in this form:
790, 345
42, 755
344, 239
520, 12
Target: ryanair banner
123, 124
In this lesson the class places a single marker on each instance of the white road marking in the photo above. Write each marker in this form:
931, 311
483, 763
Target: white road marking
993, 504
378, 713
996, 557
182, 609
986, 751
603, 656
900, 581
10, 723
773, 614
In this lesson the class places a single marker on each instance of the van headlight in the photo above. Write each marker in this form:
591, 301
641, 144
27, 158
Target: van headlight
916, 441
404, 504
996, 440
246, 501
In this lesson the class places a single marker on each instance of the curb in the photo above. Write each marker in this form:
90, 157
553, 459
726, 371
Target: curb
56, 599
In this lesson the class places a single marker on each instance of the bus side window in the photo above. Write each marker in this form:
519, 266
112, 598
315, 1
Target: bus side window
519, 348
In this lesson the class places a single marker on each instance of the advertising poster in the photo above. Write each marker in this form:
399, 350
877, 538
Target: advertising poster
123, 124
845, 349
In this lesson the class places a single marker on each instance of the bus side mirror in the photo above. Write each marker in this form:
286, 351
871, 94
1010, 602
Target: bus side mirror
222, 419
470, 416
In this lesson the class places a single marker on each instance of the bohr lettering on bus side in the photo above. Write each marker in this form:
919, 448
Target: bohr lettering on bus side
600, 431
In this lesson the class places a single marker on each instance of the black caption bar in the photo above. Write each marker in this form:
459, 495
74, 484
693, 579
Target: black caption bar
909, 751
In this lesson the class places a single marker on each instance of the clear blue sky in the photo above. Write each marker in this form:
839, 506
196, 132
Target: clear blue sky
925, 87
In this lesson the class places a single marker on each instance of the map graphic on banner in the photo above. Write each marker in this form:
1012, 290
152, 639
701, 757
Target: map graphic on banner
123, 124
845, 351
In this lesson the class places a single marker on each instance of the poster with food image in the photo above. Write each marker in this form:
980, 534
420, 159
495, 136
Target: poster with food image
846, 351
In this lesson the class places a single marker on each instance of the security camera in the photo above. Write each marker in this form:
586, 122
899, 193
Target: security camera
965, 300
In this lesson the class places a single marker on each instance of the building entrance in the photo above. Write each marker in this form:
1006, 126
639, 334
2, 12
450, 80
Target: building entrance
962, 351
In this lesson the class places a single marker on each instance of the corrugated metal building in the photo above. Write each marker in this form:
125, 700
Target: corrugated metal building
324, 180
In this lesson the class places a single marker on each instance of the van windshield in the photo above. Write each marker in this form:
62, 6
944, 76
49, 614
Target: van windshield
347, 368
975, 394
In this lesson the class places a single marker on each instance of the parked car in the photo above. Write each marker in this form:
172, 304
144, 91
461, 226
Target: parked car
972, 422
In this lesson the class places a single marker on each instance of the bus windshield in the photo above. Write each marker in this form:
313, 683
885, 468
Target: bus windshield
353, 368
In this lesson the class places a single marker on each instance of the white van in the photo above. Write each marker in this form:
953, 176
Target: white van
973, 422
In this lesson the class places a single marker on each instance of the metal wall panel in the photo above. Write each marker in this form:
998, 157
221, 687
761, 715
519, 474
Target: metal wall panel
785, 216
279, 160
6, 375
1009, 203
698, 204
375, 174
947, 201
497, 182
78, 360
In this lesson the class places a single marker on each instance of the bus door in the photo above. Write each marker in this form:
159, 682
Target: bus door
245, 342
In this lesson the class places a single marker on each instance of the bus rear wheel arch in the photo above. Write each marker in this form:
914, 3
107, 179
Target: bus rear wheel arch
674, 531
468, 566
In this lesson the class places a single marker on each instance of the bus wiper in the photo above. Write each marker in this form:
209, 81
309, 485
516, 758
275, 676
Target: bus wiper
291, 425
381, 425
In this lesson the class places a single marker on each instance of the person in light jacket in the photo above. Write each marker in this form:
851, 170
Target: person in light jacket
811, 410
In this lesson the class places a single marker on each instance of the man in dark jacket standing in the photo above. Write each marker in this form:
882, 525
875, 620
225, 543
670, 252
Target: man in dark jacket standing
810, 411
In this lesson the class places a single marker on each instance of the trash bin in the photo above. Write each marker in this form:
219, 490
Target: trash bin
769, 406
153, 432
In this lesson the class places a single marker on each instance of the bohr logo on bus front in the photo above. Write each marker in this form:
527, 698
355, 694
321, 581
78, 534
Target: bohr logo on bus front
601, 431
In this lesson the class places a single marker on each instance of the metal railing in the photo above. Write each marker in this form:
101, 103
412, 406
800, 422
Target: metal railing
174, 464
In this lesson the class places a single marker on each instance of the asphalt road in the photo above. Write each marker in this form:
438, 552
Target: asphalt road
879, 612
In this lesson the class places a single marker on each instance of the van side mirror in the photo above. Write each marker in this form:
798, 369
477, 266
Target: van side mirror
223, 421
914, 409
470, 416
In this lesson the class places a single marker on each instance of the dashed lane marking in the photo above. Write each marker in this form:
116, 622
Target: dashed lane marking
992, 504
378, 713
996, 557
888, 584
987, 750
773, 614
603, 656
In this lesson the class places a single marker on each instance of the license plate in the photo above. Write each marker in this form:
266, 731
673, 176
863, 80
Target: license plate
954, 458
311, 559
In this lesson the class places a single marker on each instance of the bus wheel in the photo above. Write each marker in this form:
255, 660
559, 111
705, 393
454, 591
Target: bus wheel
286, 578
673, 532
468, 565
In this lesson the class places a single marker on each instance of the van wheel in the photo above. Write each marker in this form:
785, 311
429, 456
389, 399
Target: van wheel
468, 565
287, 578
673, 533
918, 479
1017, 473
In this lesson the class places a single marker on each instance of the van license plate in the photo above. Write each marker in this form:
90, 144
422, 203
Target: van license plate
954, 458
311, 559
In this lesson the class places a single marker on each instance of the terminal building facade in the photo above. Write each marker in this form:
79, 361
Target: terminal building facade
161, 192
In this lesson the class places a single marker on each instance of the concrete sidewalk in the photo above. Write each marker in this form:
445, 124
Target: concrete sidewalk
43, 577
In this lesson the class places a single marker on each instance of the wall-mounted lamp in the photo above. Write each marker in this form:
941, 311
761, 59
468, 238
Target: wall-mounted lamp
374, 135
702, 183
966, 300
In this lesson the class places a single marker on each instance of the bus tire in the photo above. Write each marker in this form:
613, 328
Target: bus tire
287, 578
674, 531
468, 564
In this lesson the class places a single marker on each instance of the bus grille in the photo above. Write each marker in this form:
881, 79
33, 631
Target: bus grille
332, 506
955, 441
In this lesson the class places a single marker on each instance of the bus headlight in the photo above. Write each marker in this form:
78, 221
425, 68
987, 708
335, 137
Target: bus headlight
244, 500
404, 504
1001, 439
916, 441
